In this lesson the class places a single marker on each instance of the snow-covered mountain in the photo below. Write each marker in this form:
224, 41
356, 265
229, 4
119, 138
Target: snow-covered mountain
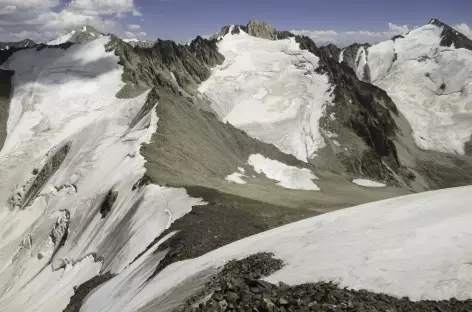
80, 35
121, 162
428, 74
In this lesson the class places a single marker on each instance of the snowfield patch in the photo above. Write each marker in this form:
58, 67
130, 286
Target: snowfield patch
236, 177
288, 176
368, 183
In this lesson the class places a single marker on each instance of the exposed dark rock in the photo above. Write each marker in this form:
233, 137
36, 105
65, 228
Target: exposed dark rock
350, 53
236, 279
5, 92
48, 170
331, 50
261, 30
27, 43
251, 294
82, 291
108, 203
158, 66
143, 181
468, 147
284, 35
226, 219
450, 36
397, 37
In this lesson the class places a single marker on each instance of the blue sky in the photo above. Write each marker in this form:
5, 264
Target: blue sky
338, 21
180, 19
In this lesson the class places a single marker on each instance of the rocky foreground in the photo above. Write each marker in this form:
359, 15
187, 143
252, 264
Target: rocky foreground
238, 287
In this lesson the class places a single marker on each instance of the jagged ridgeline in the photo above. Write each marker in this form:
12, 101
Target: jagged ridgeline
125, 163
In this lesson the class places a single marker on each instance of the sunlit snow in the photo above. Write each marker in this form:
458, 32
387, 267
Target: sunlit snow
415, 246
62, 39
430, 84
68, 96
270, 90
288, 176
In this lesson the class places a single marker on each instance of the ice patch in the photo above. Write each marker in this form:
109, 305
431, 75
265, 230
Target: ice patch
368, 183
236, 178
288, 176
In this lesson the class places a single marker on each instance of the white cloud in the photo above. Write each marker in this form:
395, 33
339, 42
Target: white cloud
101, 7
132, 35
137, 13
42, 20
464, 29
345, 38
134, 26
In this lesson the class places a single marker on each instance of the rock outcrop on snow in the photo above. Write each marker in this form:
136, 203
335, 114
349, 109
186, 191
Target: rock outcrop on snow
27, 43
239, 287
261, 30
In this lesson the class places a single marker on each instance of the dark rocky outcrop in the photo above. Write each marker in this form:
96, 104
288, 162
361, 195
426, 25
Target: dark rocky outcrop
82, 291
6, 89
450, 36
55, 158
331, 50
261, 30
350, 53
108, 202
158, 66
238, 287
27, 43
225, 219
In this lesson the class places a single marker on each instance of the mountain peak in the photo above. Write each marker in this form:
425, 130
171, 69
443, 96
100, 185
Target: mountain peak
451, 36
261, 30
79, 35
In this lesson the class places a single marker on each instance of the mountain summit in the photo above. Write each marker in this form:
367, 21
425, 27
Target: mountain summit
450, 36
79, 35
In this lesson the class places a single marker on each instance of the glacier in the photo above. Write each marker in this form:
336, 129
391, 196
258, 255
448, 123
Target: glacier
270, 90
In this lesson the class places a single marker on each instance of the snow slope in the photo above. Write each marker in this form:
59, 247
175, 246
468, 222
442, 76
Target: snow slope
68, 97
416, 246
270, 90
62, 39
430, 84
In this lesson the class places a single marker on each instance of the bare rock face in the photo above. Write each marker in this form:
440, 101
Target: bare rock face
261, 30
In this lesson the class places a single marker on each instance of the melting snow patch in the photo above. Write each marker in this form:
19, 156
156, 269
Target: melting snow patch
288, 176
236, 178
368, 183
